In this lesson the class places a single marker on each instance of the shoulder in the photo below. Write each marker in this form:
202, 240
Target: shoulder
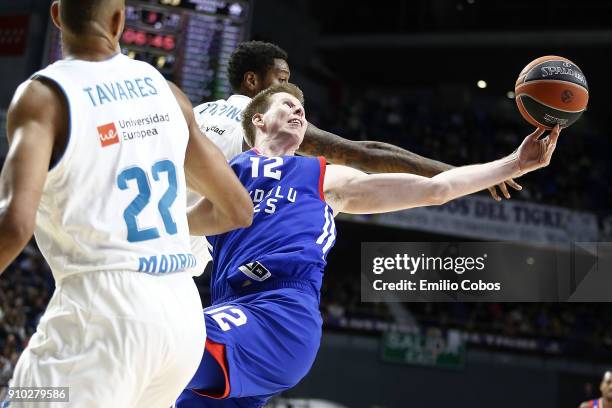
201, 108
39, 99
337, 179
36, 92
135, 63
585, 404
183, 101
243, 157
336, 174
240, 101
205, 112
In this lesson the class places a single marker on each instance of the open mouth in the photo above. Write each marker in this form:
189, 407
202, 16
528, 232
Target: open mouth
296, 122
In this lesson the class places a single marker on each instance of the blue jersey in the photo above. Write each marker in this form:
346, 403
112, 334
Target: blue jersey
293, 228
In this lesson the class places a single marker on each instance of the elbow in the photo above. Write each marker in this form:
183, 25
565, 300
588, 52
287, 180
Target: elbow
242, 216
440, 192
246, 219
17, 230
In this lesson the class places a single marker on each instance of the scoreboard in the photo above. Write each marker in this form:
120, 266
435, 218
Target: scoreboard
188, 41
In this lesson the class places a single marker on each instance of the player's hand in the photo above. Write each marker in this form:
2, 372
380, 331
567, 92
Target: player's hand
535, 153
504, 189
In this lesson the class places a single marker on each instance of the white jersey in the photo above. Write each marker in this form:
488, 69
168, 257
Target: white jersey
116, 199
221, 122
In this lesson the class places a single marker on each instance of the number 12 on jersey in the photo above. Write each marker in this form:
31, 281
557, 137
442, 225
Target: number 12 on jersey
225, 315
268, 168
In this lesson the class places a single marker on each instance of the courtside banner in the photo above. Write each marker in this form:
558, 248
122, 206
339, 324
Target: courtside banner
483, 218
485, 272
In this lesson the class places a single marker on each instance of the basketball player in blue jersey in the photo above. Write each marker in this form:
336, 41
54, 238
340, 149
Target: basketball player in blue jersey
255, 66
105, 186
264, 325
606, 394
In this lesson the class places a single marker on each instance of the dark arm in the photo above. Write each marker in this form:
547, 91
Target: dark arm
377, 157
369, 156
37, 118
227, 205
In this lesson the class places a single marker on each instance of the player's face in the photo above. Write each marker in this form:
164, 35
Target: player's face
606, 386
286, 119
278, 74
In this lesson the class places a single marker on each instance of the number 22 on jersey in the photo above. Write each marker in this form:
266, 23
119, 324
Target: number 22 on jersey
134, 234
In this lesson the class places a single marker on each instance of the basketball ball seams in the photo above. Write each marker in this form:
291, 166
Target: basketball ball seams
549, 93
546, 116
547, 105
526, 115
558, 81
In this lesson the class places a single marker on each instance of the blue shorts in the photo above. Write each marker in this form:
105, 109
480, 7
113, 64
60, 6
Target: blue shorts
261, 344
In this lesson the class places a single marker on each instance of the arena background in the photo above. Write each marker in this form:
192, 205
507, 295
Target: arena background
407, 73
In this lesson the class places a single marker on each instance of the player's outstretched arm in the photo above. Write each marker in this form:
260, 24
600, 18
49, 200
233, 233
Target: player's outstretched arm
36, 116
368, 156
351, 191
227, 205
378, 157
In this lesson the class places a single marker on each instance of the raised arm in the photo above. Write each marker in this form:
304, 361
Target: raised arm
349, 190
227, 204
377, 157
368, 156
37, 119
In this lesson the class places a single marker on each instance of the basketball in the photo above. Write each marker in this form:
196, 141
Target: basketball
551, 90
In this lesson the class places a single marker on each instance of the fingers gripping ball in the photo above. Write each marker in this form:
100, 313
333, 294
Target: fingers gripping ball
551, 90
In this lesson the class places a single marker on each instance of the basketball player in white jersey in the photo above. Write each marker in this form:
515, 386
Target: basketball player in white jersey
100, 146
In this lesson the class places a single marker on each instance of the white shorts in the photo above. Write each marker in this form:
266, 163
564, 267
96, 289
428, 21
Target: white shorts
199, 248
116, 339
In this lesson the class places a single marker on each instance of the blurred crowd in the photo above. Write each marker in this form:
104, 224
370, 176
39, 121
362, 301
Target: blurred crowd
25, 289
582, 330
461, 127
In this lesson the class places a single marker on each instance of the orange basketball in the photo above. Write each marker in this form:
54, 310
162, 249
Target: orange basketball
551, 90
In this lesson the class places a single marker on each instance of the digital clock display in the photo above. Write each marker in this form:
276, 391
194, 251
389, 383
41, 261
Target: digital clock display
208, 6
144, 39
188, 41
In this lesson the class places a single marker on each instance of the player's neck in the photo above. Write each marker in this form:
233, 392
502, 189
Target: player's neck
272, 148
605, 403
89, 47
247, 91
